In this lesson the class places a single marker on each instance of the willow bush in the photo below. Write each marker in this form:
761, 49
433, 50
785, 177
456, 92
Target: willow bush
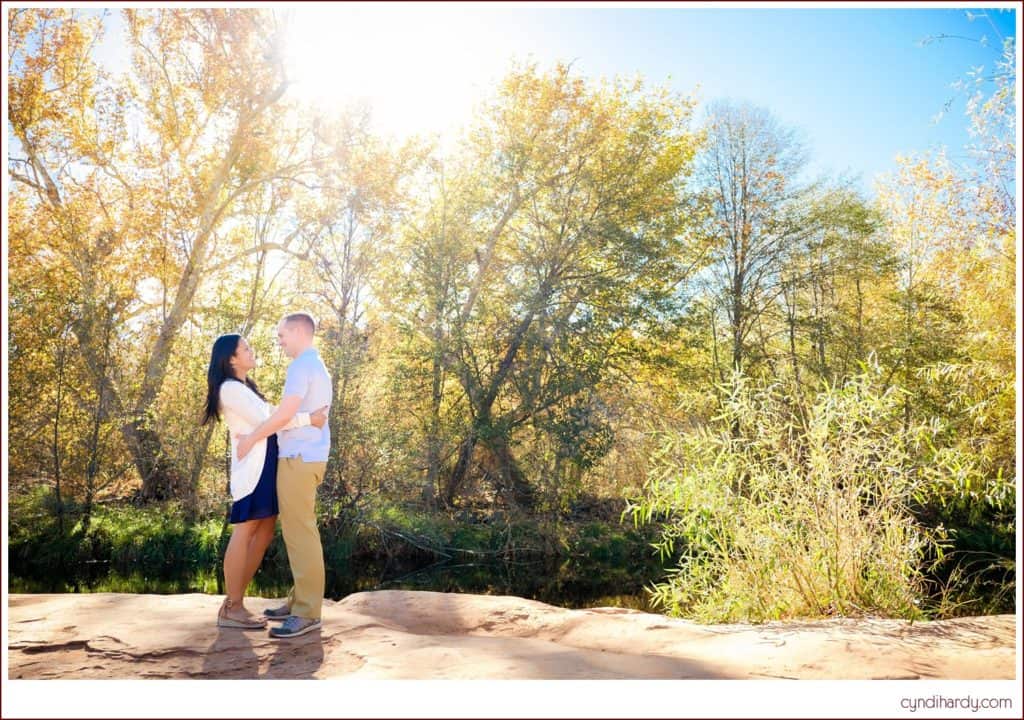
782, 508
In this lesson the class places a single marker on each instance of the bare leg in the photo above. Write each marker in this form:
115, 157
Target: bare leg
258, 544
235, 565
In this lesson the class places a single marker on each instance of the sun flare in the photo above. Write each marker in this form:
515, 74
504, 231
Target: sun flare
420, 71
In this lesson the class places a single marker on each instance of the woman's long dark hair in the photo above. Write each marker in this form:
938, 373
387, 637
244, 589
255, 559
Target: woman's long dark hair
219, 372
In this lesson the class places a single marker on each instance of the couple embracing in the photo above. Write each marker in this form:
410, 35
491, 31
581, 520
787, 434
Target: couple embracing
278, 458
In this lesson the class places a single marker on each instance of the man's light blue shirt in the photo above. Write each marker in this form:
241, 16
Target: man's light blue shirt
308, 378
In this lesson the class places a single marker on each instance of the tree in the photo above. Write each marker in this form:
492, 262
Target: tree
134, 179
749, 168
953, 229
826, 280
360, 197
565, 218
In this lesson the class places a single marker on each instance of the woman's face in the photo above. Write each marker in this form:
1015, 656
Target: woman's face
244, 358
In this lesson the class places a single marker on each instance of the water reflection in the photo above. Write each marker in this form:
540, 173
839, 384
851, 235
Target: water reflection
572, 583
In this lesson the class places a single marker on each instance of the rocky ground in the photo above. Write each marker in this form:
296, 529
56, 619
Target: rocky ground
428, 635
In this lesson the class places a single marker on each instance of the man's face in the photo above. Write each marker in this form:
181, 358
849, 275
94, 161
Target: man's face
287, 338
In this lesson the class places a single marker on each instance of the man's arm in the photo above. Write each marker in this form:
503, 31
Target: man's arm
281, 417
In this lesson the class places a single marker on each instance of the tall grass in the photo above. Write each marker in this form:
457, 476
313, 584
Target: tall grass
781, 508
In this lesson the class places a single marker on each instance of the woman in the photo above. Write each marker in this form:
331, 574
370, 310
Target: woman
254, 478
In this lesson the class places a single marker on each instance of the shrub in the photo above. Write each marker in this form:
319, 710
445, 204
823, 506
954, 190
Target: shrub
779, 509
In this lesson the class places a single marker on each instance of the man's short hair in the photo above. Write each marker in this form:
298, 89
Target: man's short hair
302, 317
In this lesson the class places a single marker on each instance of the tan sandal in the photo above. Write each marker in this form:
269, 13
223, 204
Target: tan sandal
229, 622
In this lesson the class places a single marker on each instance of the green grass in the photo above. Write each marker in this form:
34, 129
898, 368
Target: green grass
154, 550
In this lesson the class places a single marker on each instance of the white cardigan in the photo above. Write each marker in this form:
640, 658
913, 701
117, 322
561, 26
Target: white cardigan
243, 410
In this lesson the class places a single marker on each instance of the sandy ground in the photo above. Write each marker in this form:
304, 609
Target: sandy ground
427, 635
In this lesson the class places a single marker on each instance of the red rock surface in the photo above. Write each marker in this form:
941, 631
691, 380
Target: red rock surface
427, 635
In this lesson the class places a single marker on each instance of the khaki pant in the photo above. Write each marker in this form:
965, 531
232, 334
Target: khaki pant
297, 482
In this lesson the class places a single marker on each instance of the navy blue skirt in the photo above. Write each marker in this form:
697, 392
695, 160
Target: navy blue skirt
261, 502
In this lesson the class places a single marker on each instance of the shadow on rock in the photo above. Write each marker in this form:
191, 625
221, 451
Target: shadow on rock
296, 658
232, 655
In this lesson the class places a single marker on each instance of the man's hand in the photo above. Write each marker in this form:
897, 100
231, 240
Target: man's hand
318, 418
245, 444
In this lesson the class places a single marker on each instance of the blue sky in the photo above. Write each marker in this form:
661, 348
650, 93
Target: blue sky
856, 82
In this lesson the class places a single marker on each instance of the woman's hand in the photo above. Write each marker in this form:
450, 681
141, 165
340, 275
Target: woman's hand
318, 418
245, 443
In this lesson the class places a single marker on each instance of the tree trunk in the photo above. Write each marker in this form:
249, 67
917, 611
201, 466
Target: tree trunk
161, 479
61, 357
224, 536
337, 411
487, 398
738, 318
716, 366
434, 434
514, 487
860, 318
192, 491
461, 470
791, 327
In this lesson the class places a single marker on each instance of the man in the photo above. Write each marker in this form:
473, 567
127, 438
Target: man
302, 460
